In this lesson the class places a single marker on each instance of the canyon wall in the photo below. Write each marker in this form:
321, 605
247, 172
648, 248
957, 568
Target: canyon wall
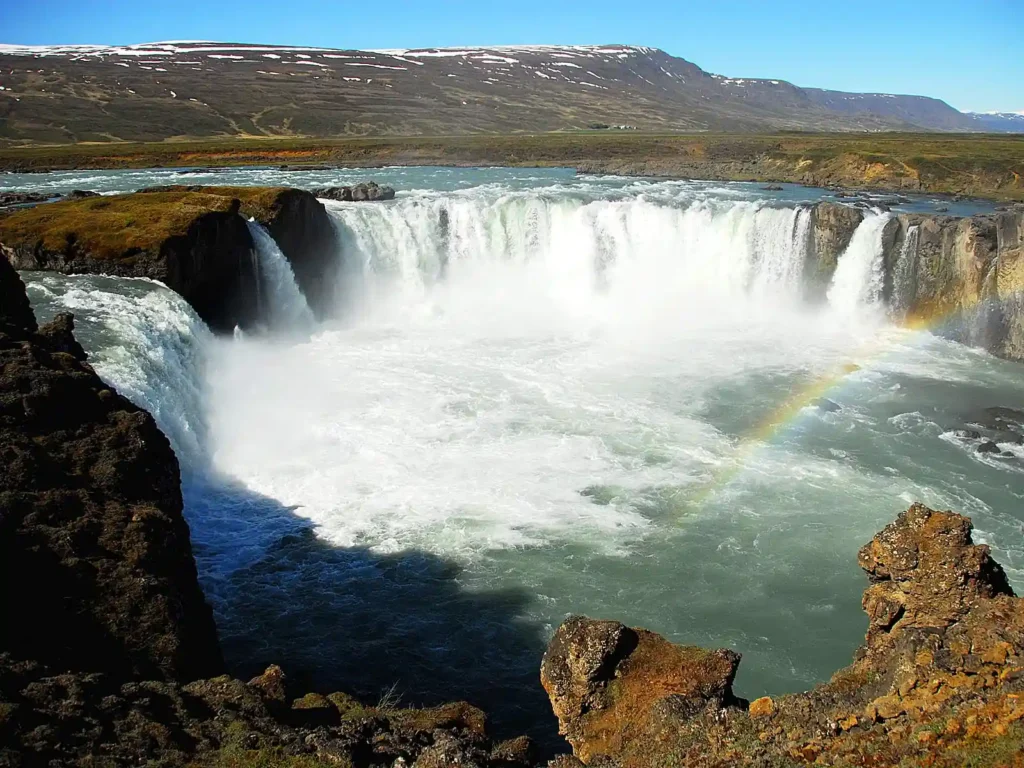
962, 277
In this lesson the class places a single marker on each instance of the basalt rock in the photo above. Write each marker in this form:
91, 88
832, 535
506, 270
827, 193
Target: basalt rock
939, 680
77, 719
963, 277
306, 236
91, 526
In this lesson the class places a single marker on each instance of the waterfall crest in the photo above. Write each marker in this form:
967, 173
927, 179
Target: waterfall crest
565, 256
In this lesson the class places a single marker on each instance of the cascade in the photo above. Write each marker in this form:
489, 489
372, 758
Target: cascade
574, 258
857, 283
285, 303
905, 273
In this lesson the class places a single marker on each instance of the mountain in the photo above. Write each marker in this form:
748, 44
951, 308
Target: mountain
999, 122
175, 89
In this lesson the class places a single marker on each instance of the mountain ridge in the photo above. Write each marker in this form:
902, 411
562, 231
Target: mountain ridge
155, 91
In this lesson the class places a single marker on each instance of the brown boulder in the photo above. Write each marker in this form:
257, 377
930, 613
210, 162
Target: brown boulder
611, 686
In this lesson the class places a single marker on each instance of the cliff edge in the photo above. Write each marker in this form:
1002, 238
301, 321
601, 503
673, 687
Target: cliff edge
194, 239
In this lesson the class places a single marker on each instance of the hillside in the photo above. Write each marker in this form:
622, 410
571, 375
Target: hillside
151, 92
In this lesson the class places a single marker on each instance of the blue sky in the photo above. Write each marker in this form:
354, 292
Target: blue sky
968, 53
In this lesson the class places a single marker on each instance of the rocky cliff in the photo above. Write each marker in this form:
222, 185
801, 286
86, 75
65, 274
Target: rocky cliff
193, 239
107, 646
91, 525
962, 277
939, 680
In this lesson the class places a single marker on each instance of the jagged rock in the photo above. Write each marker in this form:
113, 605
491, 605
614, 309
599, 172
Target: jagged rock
91, 524
988, 447
59, 335
938, 682
271, 685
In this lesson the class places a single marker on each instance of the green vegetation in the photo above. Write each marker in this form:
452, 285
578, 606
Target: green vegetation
974, 164
123, 225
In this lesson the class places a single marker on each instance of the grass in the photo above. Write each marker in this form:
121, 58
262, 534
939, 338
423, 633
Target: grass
974, 164
121, 226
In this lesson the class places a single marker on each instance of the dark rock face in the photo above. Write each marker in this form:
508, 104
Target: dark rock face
212, 265
303, 231
363, 192
209, 259
938, 682
91, 525
71, 719
214, 268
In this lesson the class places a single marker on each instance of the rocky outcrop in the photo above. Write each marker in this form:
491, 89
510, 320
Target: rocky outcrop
91, 524
611, 685
364, 192
193, 239
938, 682
962, 276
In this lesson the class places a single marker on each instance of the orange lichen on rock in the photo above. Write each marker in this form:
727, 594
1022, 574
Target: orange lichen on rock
938, 682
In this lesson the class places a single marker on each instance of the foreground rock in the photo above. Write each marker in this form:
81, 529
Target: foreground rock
939, 680
107, 646
193, 239
95, 556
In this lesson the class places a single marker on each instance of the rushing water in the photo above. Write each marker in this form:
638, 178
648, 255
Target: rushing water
545, 395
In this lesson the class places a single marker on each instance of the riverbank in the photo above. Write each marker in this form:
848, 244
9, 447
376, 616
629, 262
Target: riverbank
988, 166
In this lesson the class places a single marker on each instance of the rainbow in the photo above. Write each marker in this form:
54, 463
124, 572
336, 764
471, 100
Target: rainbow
788, 413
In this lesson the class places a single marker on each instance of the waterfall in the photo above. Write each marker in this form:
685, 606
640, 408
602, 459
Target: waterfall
857, 283
905, 272
146, 341
285, 304
572, 258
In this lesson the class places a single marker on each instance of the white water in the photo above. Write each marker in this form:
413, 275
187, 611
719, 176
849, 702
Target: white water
563, 393
857, 283
287, 307
562, 263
